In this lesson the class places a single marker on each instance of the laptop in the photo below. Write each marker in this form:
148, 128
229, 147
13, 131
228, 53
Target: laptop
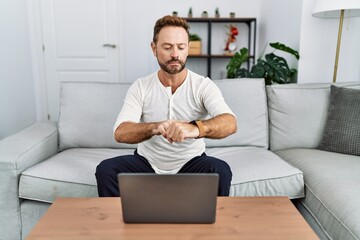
168, 198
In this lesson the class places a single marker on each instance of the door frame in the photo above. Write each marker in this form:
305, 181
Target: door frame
37, 57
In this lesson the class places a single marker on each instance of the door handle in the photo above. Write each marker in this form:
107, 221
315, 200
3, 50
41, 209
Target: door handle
109, 45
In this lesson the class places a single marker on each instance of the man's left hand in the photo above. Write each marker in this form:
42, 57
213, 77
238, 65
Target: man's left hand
178, 131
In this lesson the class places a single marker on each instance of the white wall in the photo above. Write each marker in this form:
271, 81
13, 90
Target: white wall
318, 46
280, 22
17, 100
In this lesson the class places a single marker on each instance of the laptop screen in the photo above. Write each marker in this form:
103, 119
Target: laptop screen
175, 198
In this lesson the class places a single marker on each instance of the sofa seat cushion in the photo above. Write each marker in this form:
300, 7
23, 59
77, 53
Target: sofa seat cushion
259, 172
332, 189
70, 173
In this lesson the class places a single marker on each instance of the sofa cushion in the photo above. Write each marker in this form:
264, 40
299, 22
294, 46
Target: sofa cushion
332, 192
247, 99
88, 112
298, 113
259, 172
342, 130
71, 173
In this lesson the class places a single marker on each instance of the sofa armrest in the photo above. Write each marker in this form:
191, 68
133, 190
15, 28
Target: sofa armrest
18, 152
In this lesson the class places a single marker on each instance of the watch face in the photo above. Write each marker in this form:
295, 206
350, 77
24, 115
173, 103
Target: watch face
232, 47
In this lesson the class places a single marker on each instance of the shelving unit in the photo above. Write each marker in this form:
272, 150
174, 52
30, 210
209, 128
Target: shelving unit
209, 56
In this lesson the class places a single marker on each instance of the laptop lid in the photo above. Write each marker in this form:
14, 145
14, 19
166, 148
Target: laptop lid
175, 198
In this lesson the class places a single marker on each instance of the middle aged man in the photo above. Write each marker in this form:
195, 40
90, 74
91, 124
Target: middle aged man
168, 114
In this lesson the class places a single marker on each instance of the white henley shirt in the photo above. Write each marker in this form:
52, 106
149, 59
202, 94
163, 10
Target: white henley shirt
147, 100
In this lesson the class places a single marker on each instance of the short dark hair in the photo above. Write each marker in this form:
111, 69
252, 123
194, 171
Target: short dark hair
169, 21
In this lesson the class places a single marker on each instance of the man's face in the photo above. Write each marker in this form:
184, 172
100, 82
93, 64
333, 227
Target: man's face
171, 49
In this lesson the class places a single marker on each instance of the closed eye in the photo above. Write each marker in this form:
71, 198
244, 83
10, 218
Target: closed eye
182, 46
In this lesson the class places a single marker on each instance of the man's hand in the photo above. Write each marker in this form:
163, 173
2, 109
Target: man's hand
172, 130
177, 131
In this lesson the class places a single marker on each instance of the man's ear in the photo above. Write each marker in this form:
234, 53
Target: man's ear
153, 48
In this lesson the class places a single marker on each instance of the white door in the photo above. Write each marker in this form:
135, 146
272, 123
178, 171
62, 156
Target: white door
80, 44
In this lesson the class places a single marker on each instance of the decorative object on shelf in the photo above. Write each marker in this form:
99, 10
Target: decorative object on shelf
231, 45
204, 14
232, 15
272, 68
337, 9
209, 59
217, 12
175, 13
195, 44
190, 13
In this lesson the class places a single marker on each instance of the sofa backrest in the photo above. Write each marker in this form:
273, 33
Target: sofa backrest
247, 99
298, 113
88, 112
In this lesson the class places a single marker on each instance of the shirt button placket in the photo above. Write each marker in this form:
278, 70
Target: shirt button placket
171, 114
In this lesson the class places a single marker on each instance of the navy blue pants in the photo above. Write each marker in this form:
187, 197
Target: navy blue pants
107, 171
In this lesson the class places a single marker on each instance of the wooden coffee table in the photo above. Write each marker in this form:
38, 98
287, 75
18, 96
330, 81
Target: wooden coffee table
237, 218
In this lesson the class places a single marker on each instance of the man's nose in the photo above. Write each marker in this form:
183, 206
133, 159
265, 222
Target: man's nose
174, 53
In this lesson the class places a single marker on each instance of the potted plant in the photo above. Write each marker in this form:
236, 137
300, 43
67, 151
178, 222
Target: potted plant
217, 12
190, 13
195, 44
271, 67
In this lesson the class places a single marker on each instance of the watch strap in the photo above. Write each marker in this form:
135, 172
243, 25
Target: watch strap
200, 126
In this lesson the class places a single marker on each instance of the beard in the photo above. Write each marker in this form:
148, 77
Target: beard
172, 69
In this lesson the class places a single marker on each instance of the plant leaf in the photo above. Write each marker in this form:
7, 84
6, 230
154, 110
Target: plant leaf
273, 68
234, 65
242, 73
194, 37
283, 47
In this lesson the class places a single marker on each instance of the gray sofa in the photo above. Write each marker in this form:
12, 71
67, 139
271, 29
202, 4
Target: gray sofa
274, 153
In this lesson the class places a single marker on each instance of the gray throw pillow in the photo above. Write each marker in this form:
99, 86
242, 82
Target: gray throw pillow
342, 129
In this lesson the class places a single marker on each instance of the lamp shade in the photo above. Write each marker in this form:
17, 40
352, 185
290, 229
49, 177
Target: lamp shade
332, 8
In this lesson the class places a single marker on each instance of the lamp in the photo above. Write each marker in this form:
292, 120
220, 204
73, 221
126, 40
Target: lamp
337, 9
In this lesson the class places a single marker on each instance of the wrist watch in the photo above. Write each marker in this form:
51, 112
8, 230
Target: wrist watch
200, 125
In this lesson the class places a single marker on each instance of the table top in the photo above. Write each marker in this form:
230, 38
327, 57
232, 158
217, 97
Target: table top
236, 218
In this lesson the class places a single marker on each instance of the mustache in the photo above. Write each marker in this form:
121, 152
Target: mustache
172, 60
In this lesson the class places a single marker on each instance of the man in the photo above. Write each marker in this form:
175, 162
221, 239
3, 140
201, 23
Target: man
165, 114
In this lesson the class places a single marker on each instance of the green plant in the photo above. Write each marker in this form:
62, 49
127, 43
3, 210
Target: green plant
194, 37
217, 12
273, 68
